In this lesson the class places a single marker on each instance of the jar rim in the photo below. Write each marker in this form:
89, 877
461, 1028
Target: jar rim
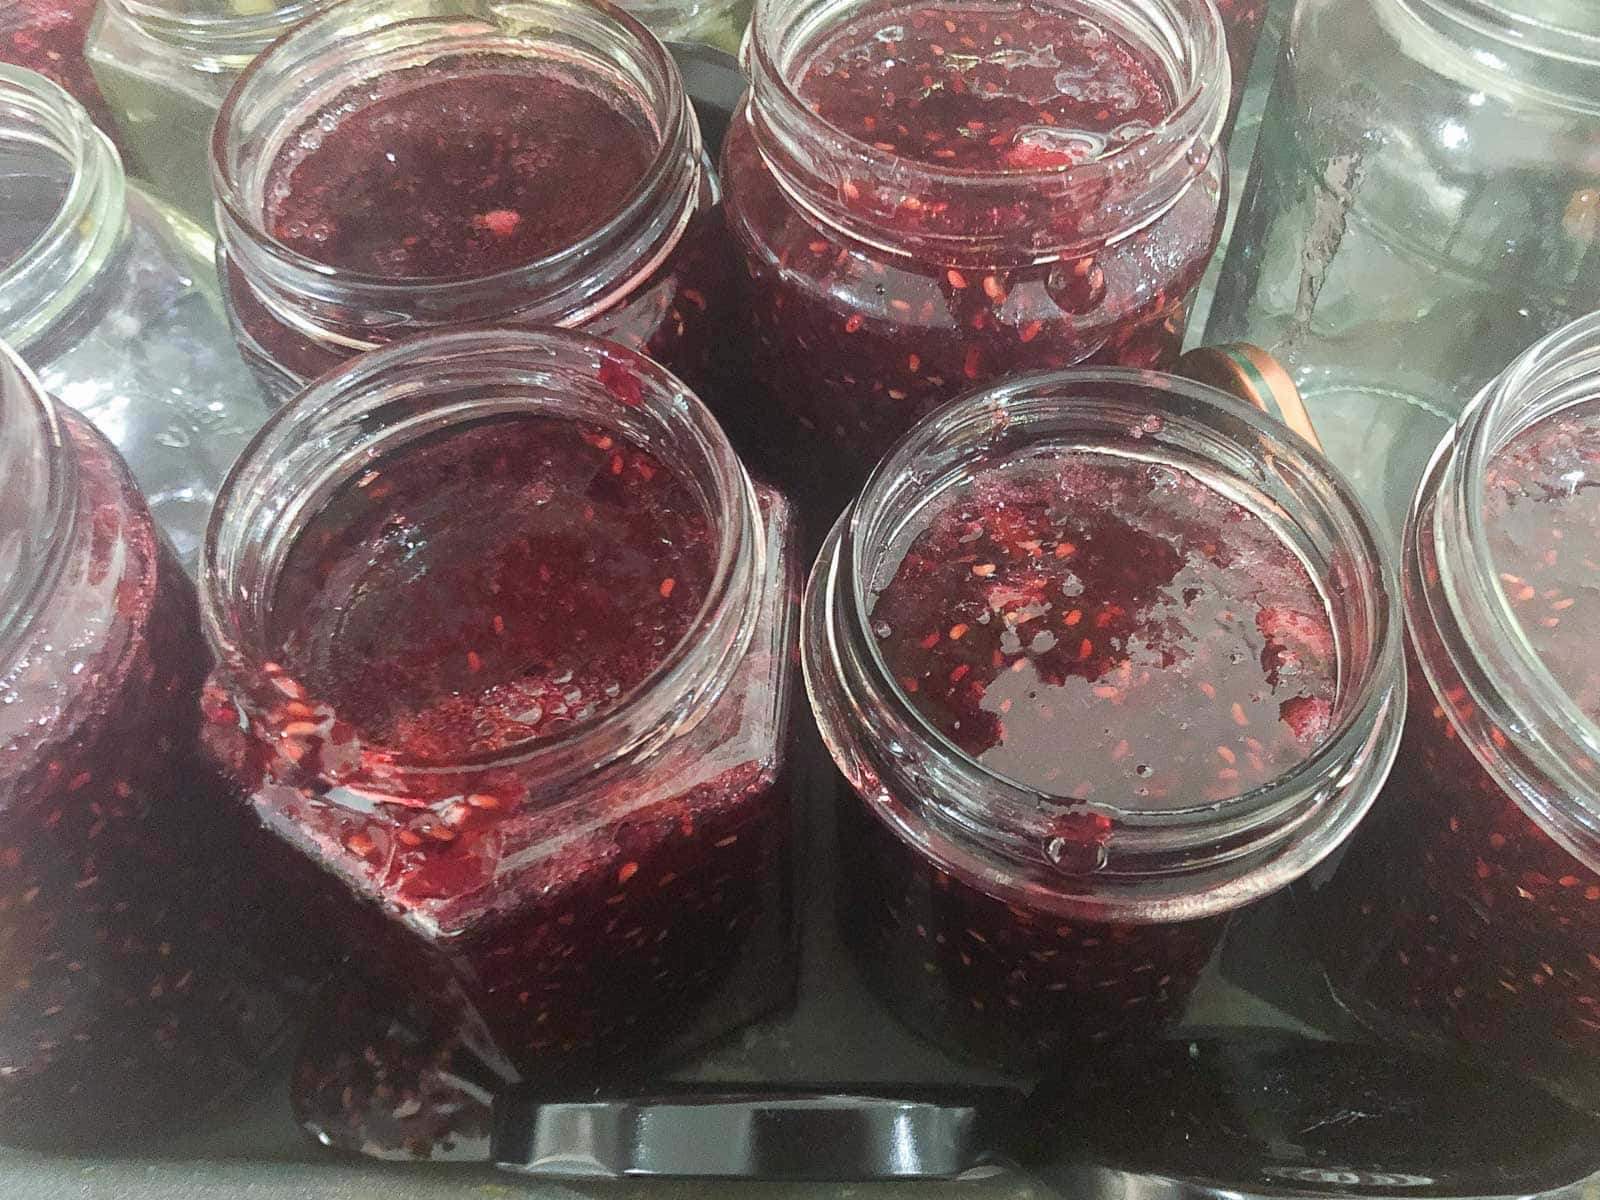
226, 30
377, 20
1180, 863
494, 370
1447, 527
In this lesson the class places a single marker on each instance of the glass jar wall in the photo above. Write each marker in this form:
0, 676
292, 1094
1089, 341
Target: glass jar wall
48, 36
1467, 909
1422, 206
457, 161
906, 240
506, 646
143, 973
165, 66
110, 296
1131, 662
719, 23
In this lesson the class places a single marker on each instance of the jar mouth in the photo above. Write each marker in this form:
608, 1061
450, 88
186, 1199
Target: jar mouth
1567, 29
1184, 37
216, 25
1294, 819
311, 65
356, 416
1506, 675
45, 281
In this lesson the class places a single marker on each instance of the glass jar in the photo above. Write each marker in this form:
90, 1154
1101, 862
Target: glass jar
883, 281
1467, 909
47, 36
719, 23
1104, 656
1422, 207
1242, 21
111, 298
143, 975
165, 66
423, 176
506, 645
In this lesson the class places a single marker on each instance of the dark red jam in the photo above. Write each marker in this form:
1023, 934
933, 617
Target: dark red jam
1453, 911
461, 176
473, 597
1241, 22
147, 970
852, 344
1095, 628
47, 36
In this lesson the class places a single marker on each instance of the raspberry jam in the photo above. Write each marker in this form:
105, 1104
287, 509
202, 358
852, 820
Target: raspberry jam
1091, 635
440, 190
48, 36
501, 715
145, 971
970, 205
1469, 906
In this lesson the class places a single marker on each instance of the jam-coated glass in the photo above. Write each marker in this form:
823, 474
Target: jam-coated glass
393, 167
1035, 856
505, 635
976, 231
144, 976
1466, 911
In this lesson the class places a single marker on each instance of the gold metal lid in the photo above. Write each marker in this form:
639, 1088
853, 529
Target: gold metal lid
1254, 376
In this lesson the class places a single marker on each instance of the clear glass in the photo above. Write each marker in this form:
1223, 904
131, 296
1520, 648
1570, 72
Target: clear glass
165, 66
1467, 910
719, 23
1422, 207
48, 36
653, 277
1013, 924
882, 285
111, 298
608, 889
144, 977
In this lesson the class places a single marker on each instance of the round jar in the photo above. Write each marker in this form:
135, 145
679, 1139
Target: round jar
143, 977
1422, 207
1467, 910
1131, 662
505, 636
719, 23
400, 166
165, 67
906, 240
112, 299
48, 36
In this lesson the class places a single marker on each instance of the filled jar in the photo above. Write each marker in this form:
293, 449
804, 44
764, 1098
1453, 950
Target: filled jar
1467, 910
112, 299
165, 66
1131, 662
145, 966
399, 166
505, 636
1422, 207
48, 36
1242, 22
930, 197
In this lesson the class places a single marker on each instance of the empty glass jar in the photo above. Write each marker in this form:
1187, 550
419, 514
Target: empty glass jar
1424, 204
111, 297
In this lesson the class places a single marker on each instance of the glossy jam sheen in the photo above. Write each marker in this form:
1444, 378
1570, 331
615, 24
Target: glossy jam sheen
852, 344
1454, 912
146, 970
459, 175
483, 591
1096, 628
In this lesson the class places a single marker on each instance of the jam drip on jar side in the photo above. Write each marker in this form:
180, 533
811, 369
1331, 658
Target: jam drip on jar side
459, 175
149, 968
484, 591
1096, 628
1453, 910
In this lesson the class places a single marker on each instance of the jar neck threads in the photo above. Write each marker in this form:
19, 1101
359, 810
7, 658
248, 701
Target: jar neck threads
871, 193
1175, 864
356, 45
221, 34
47, 135
355, 418
1521, 724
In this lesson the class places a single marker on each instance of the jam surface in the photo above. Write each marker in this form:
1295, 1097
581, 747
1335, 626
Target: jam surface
48, 36
459, 175
984, 87
1454, 915
1112, 629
